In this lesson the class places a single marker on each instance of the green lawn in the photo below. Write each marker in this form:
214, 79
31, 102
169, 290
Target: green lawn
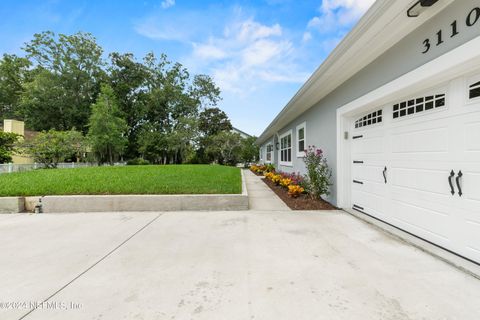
168, 179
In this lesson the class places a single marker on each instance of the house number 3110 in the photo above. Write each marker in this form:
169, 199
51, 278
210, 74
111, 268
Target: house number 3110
470, 21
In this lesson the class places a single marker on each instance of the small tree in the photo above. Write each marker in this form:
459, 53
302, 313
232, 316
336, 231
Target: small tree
249, 151
51, 147
106, 127
7, 146
224, 147
318, 173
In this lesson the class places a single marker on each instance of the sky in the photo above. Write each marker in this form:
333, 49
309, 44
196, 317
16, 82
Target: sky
258, 52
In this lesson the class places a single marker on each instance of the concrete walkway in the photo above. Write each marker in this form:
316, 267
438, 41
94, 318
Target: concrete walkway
221, 265
261, 197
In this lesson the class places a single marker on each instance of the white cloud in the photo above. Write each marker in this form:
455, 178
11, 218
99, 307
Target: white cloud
337, 15
246, 55
208, 51
307, 36
241, 53
167, 4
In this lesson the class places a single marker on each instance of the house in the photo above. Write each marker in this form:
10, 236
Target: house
242, 134
396, 110
18, 127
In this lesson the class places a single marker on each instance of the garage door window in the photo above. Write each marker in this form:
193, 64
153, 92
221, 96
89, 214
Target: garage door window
369, 119
474, 91
418, 105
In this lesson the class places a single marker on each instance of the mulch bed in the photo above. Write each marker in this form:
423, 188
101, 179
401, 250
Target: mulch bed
302, 202
256, 173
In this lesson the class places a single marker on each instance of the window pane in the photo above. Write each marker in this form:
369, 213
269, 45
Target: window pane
289, 155
301, 134
301, 146
474, 93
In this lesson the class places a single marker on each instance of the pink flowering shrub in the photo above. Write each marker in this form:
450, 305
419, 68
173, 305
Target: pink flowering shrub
318, 173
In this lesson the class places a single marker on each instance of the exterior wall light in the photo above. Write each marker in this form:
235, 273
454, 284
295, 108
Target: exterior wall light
277, 146
419, 7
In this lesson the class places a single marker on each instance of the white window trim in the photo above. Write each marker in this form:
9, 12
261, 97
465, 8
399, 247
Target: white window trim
271, 153
285, 163
301, 154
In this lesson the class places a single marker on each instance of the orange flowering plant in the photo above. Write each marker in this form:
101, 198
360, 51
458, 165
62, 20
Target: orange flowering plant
285, 182
295, 190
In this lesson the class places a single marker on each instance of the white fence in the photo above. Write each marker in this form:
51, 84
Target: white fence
11, 167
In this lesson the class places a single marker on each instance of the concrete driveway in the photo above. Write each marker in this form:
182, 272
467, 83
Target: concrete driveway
221, 265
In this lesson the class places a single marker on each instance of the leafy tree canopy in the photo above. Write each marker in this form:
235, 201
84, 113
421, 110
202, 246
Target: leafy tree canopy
213, 120
13, 76
66, 80
7, 146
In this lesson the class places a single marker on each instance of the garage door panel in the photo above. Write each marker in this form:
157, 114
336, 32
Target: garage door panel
422, 221
471, 235
426, 180
441, 204
368, 146
421, 141
469, 142
470, 185
368, 173
371, 203
472, 137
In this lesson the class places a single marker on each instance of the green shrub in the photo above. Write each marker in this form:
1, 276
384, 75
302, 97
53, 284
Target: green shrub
7, 146
138, 162
51, 147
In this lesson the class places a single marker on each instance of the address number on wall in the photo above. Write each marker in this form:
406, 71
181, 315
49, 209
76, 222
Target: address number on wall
472, 18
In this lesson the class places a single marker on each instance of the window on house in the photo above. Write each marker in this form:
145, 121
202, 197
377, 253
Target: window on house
474, 90
301, 145
369, 119
286, 148
414, 106
269, 152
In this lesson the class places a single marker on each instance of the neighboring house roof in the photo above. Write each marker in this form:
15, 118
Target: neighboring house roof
241, 132
382, 26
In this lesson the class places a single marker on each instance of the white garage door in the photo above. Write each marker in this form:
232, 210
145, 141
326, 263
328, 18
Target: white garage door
416, 166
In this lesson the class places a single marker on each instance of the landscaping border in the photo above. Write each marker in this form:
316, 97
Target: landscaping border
129, 203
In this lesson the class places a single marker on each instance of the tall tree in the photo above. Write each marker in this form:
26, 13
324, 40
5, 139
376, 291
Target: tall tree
171, 109
67, 76
106, 127
212, 121
128, 79
14, 74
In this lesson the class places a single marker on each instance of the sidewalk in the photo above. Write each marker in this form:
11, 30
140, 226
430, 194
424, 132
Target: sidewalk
261, 197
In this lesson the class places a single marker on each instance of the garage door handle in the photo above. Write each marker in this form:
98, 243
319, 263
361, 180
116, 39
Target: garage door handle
452, 174
459, 176
385, 174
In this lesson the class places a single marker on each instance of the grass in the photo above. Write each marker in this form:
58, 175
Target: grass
168, 179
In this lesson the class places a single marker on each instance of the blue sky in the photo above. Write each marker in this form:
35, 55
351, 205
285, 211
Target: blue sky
258, 52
